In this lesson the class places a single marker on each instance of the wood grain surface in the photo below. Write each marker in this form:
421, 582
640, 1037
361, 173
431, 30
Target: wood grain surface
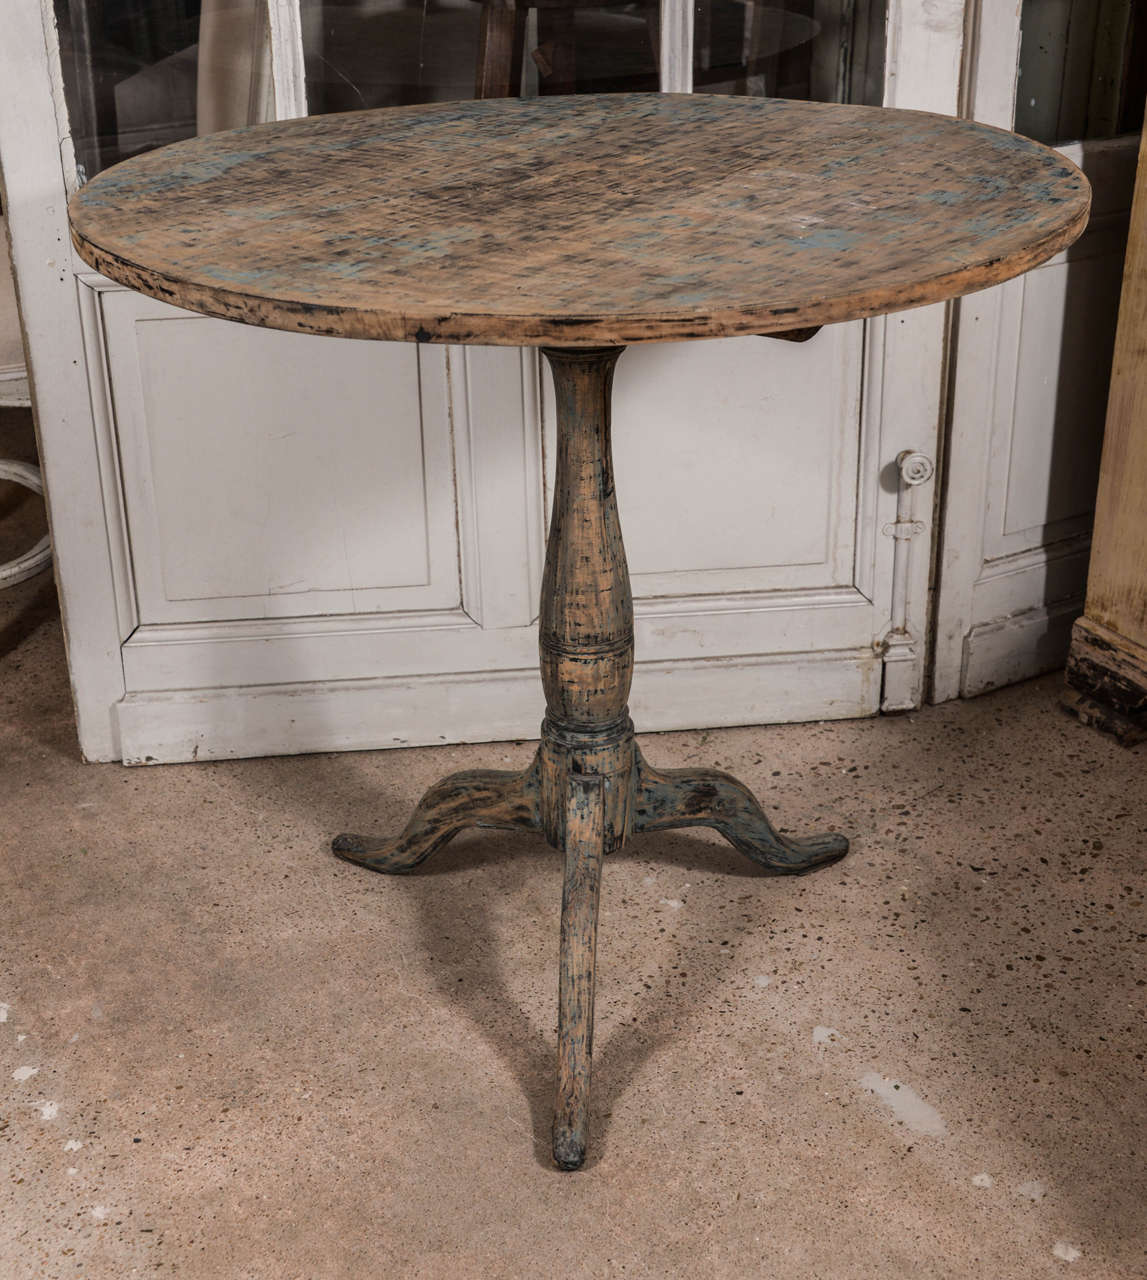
579, 221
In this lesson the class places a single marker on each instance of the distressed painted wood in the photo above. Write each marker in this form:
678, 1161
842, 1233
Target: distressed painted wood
587, 750
1107, 681
1107, 664
711, 798
474, 798
588, 788
579, 221
580, 224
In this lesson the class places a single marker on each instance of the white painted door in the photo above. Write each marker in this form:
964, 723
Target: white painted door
308, 544
1032, 357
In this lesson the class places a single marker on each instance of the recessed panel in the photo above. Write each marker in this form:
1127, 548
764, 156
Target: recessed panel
736, 462
273, 474
282, 465
1066, 339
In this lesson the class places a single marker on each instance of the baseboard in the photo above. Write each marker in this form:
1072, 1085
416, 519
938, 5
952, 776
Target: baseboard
1027, 644
172, 726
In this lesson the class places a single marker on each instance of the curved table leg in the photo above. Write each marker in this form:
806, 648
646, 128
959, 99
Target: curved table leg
710, 798
475, 798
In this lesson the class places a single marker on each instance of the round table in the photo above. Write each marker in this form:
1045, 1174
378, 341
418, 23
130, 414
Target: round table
580, 225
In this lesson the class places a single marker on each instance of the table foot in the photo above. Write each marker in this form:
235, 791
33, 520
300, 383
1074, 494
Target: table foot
474, 798
710, 798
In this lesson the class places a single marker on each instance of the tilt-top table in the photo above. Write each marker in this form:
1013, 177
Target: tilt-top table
580, 225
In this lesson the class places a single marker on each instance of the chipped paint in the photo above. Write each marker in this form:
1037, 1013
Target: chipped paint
580, 220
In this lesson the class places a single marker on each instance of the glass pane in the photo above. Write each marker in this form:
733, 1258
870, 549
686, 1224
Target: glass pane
1083, 69
382, 53
140, 73
819, 50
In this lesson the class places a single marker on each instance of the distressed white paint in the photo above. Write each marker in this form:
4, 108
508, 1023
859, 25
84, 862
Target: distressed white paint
24, 1073
675, 57
983, 1180
1029, 395
230, 590
1066, 1252
354, 715
73, 1144
288, 70
1035, 1190
5, 1009
48, 1110
924, 64
925, 41
38, 167
906, 1105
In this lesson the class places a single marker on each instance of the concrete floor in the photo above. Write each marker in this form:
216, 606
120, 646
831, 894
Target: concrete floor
226, 1054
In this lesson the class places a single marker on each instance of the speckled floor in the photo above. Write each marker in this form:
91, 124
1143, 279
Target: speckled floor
223, 1053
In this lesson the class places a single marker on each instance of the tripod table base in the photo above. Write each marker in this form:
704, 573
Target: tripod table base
589, 788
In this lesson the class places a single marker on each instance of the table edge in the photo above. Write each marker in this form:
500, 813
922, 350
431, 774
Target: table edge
497, 329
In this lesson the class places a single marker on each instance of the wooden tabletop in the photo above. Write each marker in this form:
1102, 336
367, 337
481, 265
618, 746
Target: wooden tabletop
579, 221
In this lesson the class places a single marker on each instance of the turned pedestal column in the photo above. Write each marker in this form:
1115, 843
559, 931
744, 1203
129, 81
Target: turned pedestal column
588, 787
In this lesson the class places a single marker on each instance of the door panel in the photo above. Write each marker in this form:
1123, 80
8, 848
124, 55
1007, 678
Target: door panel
339, 545
736, 463
279, 474
1063, 324
1033, 358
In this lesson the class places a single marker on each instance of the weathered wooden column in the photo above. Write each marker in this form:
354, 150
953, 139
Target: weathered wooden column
587, 751
1107, 665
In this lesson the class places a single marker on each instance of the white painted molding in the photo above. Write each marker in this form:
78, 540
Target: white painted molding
285, 651
1027, 644
167, 727
676, 53
90, 289
38, 169
288, 69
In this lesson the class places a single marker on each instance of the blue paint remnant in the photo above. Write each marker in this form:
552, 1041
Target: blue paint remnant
878, 199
